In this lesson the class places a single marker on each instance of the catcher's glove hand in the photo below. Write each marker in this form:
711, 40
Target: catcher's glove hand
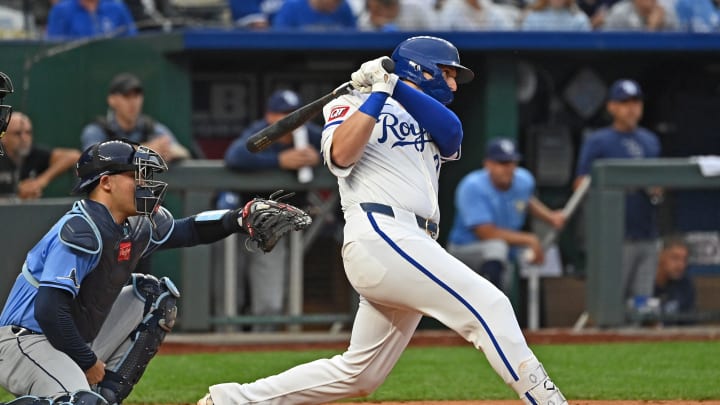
267, 220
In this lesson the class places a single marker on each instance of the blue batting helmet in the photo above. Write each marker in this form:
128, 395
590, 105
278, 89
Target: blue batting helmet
119, 156
426, 54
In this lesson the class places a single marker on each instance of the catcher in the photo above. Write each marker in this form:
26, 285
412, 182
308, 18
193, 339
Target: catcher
79, 327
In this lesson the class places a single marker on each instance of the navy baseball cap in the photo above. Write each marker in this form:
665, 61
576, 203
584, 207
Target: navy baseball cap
502, 150
625, 89
124, 83
283, 101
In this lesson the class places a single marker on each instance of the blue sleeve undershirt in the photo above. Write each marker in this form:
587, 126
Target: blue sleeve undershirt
442, 124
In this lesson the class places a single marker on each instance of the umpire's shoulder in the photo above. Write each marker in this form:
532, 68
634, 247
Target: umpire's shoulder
79, 233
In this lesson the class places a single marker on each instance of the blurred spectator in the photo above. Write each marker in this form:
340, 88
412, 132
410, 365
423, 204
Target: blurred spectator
26, 169
624, 139
266, 273
474, 15
394, 15
640, 15
151, 14
70, 19
555, 15
124, 119
597, 10
673, 286
255, 14
315, 15
698, 15
12, 24
491, 207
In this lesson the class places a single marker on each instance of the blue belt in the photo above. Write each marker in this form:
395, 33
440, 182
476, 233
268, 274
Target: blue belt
424, 223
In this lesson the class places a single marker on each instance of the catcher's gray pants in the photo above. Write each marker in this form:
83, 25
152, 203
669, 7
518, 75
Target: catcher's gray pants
29, 365
640, 261
476, 253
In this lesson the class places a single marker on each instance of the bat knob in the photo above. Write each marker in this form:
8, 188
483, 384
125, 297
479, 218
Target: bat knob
528, 256
388, 64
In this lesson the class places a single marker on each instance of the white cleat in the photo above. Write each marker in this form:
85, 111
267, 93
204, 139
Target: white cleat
536, 388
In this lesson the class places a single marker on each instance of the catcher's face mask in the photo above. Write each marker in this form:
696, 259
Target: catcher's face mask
149, 193
6, 88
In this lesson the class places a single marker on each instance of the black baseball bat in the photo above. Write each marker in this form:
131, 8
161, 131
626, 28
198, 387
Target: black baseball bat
265, 137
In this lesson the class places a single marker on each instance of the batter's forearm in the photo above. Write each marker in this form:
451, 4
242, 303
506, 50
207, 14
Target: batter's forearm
351, 137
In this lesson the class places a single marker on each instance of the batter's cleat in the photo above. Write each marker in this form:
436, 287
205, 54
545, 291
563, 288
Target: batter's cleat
535, 387
206, 400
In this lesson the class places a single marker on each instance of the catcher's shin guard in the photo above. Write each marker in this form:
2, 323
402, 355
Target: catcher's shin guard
79, 397
535, 387
160, 297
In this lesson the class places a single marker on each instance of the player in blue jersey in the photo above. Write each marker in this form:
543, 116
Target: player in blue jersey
491, 205
79, 326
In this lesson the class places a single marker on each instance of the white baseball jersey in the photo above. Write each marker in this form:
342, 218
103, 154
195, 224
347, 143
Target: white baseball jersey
399, 149
401, 273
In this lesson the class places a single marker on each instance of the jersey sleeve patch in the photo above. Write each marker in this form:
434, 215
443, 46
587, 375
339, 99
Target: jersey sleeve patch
78, 233
338, 112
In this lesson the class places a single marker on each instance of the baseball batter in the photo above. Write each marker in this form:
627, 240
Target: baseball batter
386, 143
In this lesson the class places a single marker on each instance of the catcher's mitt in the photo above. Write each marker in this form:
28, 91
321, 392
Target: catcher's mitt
267, 220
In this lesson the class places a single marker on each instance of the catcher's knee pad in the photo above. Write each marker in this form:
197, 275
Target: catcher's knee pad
160, 297
535, 386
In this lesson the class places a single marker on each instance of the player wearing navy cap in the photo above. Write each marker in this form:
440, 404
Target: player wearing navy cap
625, 139
77, 317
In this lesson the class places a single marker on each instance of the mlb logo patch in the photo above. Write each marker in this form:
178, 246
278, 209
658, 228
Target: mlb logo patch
124, 251
338, 112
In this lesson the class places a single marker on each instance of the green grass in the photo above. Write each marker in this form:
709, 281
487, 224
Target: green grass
641, 371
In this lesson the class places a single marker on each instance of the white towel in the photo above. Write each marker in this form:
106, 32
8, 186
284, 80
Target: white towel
709, 165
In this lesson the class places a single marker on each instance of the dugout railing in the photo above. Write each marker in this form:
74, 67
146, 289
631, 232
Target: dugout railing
604, 214
197, 181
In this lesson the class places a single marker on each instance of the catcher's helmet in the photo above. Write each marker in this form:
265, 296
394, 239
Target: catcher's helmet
424, 54
6, 88
118, 156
